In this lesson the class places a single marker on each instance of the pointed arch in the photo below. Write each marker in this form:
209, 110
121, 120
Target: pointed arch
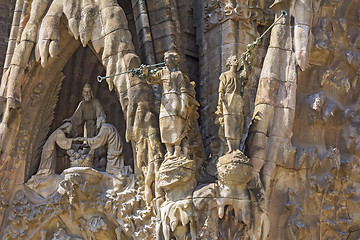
48, 40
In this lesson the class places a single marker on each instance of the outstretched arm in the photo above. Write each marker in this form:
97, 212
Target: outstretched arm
99, 140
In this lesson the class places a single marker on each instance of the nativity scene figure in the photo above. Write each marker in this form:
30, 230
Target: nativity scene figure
110, 137
47, 165
83, 152
88, 110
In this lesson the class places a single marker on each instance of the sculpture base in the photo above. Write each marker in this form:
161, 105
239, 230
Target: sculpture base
177, 176
47, 185
234, 169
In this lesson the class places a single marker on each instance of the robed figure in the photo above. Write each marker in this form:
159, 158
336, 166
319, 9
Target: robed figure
177, 103
230, 110
47, 165
108, 135
48, 155
88, 110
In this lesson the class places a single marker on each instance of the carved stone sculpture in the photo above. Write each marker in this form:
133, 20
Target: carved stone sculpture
234, 173
108, 135
286, 166
81, 158
48, 156
177, 173
230, 110
87, 112
177, 104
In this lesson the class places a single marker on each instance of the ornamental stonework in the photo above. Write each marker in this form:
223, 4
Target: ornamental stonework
201, 119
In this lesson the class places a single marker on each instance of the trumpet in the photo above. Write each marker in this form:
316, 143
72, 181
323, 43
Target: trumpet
136, 71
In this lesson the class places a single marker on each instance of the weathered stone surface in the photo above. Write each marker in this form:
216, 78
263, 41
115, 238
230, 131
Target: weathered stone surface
282, 162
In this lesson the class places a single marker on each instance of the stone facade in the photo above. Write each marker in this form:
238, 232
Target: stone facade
7, 11
238, 133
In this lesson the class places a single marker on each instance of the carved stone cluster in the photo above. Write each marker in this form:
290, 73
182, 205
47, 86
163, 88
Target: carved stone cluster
237, 136
234, 169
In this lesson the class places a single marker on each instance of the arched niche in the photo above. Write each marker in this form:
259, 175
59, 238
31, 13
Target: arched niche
56, 88
83, 67
39, 80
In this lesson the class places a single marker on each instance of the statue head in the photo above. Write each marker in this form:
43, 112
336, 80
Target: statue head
232, 62
99, 121
66, 127
87, 92
171, 58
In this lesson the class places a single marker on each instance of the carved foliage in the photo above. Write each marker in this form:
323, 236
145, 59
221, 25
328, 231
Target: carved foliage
45, 118
98, 211
320, 211
217, 12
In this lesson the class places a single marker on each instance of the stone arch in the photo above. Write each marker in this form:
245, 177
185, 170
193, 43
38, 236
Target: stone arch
48, 40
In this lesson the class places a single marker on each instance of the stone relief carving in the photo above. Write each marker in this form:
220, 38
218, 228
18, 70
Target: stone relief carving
119, 210
43, 124
220, 11
86, 113
81, 158
326, 198
48, 156
80, 155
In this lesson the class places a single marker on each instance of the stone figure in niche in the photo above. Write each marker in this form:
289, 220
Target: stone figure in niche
86, 113
48, 156
108, 135
177, 104
230, 109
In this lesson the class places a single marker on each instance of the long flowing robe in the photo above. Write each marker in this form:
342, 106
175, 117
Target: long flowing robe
108, 135
87, 112
48, 156
45, 181
175, 102
232, 104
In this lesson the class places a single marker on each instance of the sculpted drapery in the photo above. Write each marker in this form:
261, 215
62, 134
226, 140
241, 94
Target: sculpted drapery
109, 136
